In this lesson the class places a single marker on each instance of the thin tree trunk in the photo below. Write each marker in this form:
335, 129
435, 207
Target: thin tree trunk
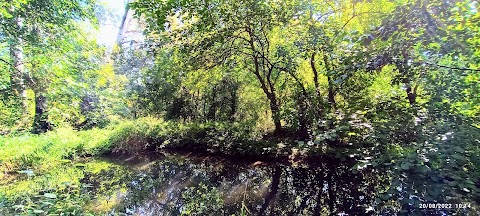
411, 95
319, 102
123, 25
213, 105
315, 76
275, 107
233, 103
275, 114
18, 76
302, 103
331, 93
40, 122
404, 68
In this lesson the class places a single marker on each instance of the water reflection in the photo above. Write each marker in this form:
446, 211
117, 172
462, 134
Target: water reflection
176, 185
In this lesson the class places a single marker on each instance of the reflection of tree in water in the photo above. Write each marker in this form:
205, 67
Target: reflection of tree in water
321, 190
173, 186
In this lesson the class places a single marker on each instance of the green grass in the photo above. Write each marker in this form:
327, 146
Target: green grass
41, 151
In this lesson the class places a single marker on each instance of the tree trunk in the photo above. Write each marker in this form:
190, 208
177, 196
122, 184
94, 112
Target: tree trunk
213, 105
268, 90
275, 114
331, 93
315, 76
40, 122
123, 25
302, 101
403, 70
233, 102
411, 94
18, 79
319, 103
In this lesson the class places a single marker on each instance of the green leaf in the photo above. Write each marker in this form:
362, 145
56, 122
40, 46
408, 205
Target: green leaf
80, 165
28, 172
50, 195
18, 206
458, 157
405, 165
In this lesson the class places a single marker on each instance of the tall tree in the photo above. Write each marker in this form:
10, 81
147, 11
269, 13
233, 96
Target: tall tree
213, 32
35, 24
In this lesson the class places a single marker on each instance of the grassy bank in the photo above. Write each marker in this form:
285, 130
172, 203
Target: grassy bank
20, 152
41, 174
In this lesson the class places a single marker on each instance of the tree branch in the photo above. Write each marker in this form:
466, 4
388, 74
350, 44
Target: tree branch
9, 64
450, 67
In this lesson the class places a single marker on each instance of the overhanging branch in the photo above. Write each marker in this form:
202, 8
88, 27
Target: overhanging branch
450, 67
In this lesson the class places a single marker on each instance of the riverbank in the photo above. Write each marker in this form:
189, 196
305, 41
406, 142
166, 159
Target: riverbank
35, 166
45, 174
149, 135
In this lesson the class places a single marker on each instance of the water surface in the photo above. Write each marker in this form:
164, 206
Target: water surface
174, 184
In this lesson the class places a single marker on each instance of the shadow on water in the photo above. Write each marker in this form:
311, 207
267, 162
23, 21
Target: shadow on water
175, 185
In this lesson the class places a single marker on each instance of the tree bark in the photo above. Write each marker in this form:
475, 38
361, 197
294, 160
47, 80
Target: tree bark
319, 102
40, 122
18, 75
403, 70
123, 25
212, 110
315, 76
411, 94
331, 93
233, 102
275, 113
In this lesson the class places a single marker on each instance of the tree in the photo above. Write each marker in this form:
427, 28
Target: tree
36, 25
214, 32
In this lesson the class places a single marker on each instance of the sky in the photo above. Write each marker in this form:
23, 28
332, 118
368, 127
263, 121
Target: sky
108, 30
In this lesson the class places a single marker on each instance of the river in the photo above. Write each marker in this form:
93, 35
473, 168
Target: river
176, 184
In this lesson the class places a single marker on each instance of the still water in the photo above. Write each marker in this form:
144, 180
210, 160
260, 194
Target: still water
174, 184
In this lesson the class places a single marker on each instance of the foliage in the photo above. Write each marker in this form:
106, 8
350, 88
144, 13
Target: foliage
393, 85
